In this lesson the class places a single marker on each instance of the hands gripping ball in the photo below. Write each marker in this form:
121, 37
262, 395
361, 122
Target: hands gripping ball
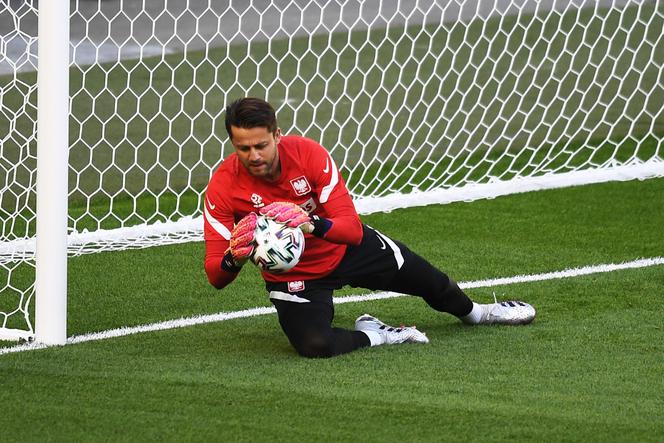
278, 247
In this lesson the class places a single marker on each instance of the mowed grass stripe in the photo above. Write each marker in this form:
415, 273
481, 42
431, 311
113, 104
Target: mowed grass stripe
223, 316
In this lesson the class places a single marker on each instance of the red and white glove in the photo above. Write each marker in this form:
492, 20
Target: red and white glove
242, 238
289, 214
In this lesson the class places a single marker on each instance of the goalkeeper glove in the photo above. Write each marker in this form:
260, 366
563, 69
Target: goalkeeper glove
289, 214
242, 243
295, 217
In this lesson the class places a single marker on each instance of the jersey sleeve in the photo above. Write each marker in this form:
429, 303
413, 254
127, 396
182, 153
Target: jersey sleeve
218, 223
338, 207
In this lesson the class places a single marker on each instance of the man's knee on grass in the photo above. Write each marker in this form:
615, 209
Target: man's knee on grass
315, 345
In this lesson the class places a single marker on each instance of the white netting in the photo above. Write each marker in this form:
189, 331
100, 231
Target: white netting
463, 98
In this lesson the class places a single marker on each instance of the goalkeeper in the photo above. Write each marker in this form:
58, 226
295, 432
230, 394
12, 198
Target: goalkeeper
295, 181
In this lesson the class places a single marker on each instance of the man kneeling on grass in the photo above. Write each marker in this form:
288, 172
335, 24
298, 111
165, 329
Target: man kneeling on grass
294, 180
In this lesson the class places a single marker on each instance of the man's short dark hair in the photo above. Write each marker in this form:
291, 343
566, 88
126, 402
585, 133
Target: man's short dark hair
250, 112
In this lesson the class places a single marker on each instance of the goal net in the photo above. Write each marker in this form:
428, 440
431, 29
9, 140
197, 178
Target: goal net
436, 100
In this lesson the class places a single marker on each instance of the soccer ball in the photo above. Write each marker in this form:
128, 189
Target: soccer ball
278, 247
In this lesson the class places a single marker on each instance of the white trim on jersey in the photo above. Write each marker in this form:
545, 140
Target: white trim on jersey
287, 297
327, 190
216, 224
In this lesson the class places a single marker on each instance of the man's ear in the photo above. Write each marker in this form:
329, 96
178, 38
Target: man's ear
277, 135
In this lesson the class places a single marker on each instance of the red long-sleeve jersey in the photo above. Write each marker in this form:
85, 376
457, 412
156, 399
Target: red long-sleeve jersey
308, 178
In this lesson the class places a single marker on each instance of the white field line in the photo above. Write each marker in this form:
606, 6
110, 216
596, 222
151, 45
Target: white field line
223, 316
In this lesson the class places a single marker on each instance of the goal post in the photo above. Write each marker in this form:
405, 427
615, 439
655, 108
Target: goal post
419, 102
52, 173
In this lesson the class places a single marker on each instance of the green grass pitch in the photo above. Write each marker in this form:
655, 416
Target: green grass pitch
588, 368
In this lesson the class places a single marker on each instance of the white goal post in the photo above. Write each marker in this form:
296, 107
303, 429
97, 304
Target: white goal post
52, 170
419, 102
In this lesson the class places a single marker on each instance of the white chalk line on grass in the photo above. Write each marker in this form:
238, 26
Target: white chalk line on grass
223, 316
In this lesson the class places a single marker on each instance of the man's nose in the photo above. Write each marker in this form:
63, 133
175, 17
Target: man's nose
254, 154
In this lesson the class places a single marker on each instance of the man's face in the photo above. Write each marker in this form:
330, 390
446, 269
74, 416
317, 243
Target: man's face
257, 150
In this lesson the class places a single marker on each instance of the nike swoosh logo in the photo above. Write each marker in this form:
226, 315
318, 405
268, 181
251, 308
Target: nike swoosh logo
210, 204
327, 166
